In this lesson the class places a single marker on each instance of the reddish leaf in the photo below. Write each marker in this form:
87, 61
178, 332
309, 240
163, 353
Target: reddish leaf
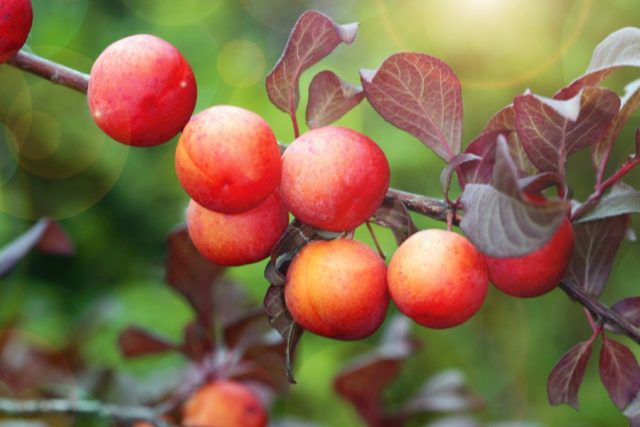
313, 37
363, 381
622, 199
619, 49
566, 377
394, 215
619, 372
629, 308
330, 98
197, 341
447, 173
484, 146
55, 241
190, 273
629, 104
136, 342
551, 130
45, 235
295, 237
280, 319
245, 329
499, 221
536, 184
421, 95
596, 244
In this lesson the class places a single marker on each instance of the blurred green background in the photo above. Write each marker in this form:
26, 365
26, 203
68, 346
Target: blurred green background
118, 203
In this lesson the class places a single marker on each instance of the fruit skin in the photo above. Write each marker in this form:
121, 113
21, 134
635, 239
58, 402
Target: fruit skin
224, 403
142, 91
536, 273
228, 159
337, 289
334, 178
16, 17
237, 239
438, 278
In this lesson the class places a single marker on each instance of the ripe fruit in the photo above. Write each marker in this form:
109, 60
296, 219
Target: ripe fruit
16, 17
141, 91
337, 289
224, 403
536, 273
334, 178
237, 239
437, 278
228, 159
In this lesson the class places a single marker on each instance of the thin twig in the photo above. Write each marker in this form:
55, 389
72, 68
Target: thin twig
54, 72
127, 414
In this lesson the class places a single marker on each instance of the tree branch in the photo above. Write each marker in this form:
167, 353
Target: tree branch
428, 206
127, 414
54, 72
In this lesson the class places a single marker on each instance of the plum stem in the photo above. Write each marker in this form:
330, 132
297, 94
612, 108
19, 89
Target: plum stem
375, 240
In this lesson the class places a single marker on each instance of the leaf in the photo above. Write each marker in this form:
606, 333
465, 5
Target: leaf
619, 372
566, 376
330, 98
619, 49
197, 341
596, 244
190, 273
536, 184
622, 199
455, 163
280, 319
362, 381
135, 342
550, 130
421, 95
484, 146
497, 219
312, 38
45, 235
629, 104
446, 391
395, 215
629, 308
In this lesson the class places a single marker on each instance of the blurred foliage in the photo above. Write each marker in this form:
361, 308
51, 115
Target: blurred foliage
118, 203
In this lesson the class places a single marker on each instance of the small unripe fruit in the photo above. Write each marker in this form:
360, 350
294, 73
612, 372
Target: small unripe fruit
141, 91
337, 289
536, 273
437, 278
237, 239
224, 403
334, 178
16, 17
228, 159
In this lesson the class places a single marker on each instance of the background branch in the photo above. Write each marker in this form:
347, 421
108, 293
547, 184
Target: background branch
126, 414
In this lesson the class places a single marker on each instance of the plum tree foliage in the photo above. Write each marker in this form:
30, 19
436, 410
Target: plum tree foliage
522, 229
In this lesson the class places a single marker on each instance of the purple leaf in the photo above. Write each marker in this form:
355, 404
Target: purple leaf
330, 98
190, 273
622, 199
197, 341
536, 184
45, 235
484, 146
619, 372
136, 342
447, 173
395, 215
446, 391
421, 95
245, 329
596, 244
619, 49
362, 381
499, 221
629, 104
551, 130
566, 377
280, 319
313, 37
629, 308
